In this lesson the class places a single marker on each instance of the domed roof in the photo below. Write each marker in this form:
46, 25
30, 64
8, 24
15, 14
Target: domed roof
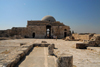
48, 18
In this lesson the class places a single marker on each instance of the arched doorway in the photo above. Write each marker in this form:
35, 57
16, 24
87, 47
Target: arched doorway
33, 35
48, 31
65, 32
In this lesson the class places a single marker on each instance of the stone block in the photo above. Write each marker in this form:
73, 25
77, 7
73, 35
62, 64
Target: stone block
53, 45
50, 50
43, 42
64, 61
91, 43
36, 44
81, 45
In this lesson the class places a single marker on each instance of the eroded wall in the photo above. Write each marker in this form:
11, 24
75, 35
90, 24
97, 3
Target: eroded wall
82, 37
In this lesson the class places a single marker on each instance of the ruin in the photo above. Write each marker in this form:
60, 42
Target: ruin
26, 46
45, 28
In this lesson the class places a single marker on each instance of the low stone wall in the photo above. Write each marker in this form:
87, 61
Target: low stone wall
20, 54
41, 44
85, 45
62, 60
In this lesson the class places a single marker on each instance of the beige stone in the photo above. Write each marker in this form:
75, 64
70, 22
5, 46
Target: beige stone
64, 61
50, 49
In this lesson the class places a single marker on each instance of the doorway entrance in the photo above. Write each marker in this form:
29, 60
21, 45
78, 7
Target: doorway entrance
48, 31
33, 35
64, 34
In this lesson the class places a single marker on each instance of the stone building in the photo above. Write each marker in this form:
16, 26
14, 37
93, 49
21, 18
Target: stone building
45, 28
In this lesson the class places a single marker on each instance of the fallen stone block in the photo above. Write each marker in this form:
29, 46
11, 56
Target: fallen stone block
53, 46
91, 43
81, 45
50, 50
43, 42
64, 61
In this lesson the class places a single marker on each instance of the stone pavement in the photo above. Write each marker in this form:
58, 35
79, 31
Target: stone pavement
81, 57
38, 58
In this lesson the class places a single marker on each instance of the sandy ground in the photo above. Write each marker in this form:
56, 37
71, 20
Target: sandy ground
81, 57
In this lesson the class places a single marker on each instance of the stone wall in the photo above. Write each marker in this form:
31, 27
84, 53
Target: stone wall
83, 37
96, 35
59, 31
40, 31
39, 28
4, 33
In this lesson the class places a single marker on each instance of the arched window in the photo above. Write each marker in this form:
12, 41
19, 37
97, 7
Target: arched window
65, 29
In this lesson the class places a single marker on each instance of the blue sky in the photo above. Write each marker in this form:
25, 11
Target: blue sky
83, 16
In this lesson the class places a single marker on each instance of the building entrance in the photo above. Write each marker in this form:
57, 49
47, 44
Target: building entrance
48, 31
33, 35
65, 34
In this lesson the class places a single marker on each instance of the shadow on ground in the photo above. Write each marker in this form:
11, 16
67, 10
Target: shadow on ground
17, 65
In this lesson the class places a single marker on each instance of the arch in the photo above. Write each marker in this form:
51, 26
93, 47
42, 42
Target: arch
33, 35
65, 29
48, 31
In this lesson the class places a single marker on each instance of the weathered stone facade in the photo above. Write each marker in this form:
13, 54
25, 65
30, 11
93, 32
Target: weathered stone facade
46, 28
83, 36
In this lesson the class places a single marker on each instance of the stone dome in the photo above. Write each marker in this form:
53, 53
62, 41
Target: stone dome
48, 18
